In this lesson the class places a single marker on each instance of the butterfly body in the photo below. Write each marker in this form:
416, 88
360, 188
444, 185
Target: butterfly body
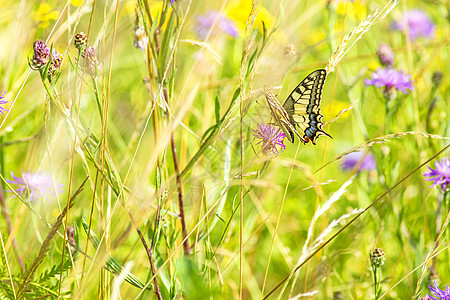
301, 109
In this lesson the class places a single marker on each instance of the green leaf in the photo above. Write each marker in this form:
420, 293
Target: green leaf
217, 108
112, 265
166, 45
251, 62
264, 32
207, 131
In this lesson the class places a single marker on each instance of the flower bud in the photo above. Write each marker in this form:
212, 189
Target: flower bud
386, 55
377, 258
80, 41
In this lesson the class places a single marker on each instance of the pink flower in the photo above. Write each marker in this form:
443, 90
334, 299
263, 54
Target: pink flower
270, 137
439, 294
390, 79
418, 24
34, 186
215, 22
440, 175
2, 110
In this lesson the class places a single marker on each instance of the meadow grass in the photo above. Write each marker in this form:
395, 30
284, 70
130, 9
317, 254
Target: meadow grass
139, 158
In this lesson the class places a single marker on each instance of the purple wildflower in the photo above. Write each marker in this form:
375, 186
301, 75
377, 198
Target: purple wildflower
440, 295
270, 137
390, 79
2, 110
386, 55
360, 159
214, 22
41, 55
418, 24
33, 186
440, 176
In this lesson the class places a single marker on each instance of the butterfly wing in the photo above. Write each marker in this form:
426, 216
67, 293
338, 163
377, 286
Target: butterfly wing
302, 106
280, 116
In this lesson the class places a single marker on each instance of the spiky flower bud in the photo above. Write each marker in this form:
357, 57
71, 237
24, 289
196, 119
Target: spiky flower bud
377, 258
436, 78
90, 64
290, 51
80, 41
140, 38
433, 276
386, 55
41, 55
54, 66
71, 234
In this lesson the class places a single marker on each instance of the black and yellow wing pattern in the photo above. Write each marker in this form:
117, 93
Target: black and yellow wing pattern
282, 119
302, 107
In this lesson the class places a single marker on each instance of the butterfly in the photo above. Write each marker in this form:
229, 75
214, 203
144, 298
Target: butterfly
301, 109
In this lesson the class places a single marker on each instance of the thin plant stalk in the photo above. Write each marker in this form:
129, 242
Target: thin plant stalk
178, 180
376, 281
10, 229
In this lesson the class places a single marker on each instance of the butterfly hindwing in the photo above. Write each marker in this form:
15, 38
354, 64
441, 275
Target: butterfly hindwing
302, 106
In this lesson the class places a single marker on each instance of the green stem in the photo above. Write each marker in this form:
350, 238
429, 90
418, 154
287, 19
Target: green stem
97, 99
375, 279
210, 138
387, 127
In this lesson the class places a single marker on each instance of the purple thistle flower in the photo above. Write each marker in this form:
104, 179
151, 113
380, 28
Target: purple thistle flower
33, 186
418, 23
441, 295
390, 79
2, 110
364, 161
41, 55
214, 22
440, 176
270, 137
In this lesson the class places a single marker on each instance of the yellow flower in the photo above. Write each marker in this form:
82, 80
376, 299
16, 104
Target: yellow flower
338, 106
356, 10
44, 14
76, 3
239, 11
373, 65
317, 38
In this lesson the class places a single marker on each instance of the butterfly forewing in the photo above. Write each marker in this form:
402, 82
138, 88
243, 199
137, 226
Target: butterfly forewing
281, 117
302, 106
